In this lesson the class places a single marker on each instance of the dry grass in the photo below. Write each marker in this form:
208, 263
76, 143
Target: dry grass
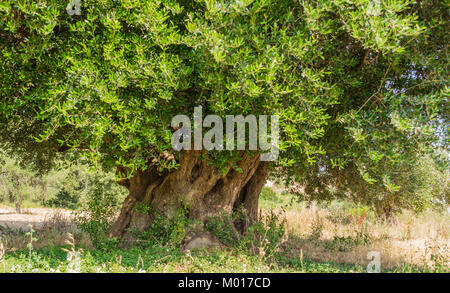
52, 226
35, 216
409, 239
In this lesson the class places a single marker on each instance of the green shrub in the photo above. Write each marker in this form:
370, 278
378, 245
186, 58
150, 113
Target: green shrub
17, 183
263, 238
268, 194
63, 199
221, 227
165, 231
102, 203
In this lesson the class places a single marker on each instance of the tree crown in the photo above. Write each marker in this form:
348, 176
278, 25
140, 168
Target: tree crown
360, 86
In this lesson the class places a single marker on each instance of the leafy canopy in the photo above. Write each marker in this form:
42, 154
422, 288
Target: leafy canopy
360, 86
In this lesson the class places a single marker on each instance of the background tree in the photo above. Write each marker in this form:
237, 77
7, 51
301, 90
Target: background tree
67, 185
360, 88
16, 184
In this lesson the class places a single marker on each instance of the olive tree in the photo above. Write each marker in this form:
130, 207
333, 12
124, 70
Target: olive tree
359, 87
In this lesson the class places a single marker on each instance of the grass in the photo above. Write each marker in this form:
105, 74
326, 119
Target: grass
163, 260
160, 259
26, 204
336, 238
331, 232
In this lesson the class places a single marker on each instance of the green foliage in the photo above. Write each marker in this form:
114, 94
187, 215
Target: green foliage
263, 238
268, 194
221, 227
67, 185
63, 199
17, 183
266, 235
142, 208
348, 243
102, 203
361, 89
161, 259
30, 244
166, 231
413, 187
341, 244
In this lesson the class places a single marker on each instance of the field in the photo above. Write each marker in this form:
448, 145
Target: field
336, 237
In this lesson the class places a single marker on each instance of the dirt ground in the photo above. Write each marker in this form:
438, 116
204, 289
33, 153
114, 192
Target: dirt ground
38, 217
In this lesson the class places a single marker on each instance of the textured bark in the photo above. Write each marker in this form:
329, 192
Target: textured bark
200, 187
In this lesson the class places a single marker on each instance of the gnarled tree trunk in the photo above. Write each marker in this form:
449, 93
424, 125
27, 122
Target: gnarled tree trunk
200, 187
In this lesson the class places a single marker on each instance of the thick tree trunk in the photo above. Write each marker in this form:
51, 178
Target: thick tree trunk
200, 187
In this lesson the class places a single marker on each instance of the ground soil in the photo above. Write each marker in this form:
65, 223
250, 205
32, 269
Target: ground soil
38, 217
